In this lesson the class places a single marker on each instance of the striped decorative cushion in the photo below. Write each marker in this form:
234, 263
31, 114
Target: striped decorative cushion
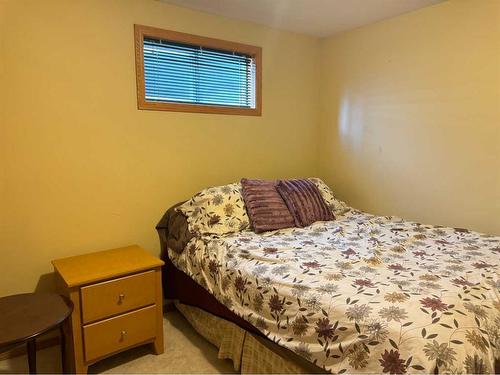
304, 201
265, 207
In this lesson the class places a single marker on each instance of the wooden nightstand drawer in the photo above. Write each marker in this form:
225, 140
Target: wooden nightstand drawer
116, 296
123, 331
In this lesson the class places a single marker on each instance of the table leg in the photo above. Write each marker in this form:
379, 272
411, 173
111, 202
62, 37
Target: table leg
32, 356
63, 350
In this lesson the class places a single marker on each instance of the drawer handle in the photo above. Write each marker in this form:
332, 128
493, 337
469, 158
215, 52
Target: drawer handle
121, 297
122, 335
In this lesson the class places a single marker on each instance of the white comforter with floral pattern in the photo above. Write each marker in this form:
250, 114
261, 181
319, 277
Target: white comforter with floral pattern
362, 293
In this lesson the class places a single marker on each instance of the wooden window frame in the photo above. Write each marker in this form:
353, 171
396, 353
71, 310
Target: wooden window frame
141, 32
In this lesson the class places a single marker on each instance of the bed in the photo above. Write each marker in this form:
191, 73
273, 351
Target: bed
360, 294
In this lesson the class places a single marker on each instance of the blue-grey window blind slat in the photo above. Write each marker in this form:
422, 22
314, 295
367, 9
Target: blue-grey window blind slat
188, 60
177, 48
182, 73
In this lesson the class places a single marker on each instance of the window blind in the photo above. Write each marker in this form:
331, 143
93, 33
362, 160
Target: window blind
190, 74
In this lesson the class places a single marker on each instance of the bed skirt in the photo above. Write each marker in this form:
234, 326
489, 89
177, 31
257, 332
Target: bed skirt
250, 353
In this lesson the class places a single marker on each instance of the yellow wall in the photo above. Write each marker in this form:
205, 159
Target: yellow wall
408, 124
410, 119
82, 169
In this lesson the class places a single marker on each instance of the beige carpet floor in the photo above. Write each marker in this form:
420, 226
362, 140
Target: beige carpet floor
185, 352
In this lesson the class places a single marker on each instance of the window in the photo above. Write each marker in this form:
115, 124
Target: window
189, 73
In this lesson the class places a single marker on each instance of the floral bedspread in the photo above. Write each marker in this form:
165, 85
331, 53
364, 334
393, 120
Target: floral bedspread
362, 294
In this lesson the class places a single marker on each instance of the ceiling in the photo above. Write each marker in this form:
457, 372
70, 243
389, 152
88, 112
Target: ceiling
313, 17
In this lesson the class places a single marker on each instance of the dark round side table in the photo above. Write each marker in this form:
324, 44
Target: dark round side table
24, 317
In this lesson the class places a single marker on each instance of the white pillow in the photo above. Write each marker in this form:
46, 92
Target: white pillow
216, 210
337, 206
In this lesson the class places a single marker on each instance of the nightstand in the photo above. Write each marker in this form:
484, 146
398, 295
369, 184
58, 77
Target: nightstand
117, 298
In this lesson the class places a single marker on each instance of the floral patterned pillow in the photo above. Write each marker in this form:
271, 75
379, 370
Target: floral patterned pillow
337, 206
216, 210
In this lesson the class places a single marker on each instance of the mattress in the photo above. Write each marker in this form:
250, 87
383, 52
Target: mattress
362, 293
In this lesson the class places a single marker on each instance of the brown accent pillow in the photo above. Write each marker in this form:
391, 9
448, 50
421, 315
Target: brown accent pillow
173, 230
304, 201
265, 207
